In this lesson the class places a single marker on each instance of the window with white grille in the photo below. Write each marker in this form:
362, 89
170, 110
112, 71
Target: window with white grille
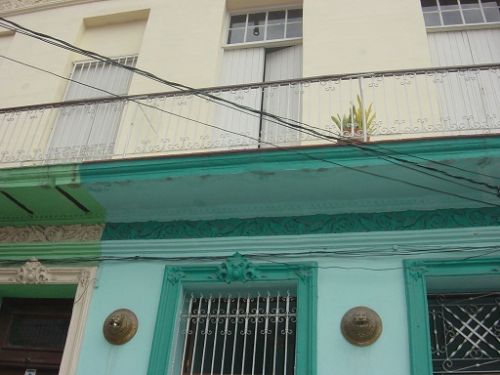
465, 333
88, 131
239, 333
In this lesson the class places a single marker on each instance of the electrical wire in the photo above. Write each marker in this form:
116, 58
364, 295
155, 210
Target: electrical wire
290, 123
282, 148
275, 258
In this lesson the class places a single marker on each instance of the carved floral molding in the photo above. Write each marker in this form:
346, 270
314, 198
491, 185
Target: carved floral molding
41, 233
22, 6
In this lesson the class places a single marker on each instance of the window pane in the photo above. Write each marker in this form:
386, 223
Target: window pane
294, 30
448, 4
432, 19
492, 14
256, 19
468, 4
255, 34
236, 36
275, 32
238, 21
452, 18
428, 5
491, 3
295, 15
276, 17
473, 16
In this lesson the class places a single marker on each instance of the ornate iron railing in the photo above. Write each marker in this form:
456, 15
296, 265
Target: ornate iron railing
391, 105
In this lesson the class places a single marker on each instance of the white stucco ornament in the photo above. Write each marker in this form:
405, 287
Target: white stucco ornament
32, 272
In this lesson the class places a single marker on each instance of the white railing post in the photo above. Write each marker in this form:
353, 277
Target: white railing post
362, 109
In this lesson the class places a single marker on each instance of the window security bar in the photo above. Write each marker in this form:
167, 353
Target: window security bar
465, 333
250, 335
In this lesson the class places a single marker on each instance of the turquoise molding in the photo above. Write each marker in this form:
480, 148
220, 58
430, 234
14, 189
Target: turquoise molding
314, 224
293, 158
194, 277
417, 273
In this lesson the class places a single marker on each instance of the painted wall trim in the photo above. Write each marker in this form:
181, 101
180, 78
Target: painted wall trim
342, 223
416, 273
48, 251
303, 275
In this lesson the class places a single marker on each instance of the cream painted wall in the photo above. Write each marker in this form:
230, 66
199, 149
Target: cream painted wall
184, 44
363, 35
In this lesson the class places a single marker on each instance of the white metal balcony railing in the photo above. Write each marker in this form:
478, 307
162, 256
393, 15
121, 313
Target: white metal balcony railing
393, 105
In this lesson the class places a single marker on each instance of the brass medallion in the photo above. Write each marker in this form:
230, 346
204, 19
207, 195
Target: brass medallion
361, 326
120, 326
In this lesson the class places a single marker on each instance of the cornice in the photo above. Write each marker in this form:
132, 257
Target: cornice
300, 225
434, 243
13, 7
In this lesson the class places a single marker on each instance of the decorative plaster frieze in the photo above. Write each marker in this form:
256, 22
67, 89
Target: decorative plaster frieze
41, 233
300, 225
9, 7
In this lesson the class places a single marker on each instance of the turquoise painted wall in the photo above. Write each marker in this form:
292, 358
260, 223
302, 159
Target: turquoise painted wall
343, 283
135, 286
383, 291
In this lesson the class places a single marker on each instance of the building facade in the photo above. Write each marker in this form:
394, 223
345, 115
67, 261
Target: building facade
239, 176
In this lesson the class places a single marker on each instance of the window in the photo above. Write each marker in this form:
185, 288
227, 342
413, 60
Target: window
89, 131
265, 26
459, 12
454, 316
245, 333
465, 332
236, 318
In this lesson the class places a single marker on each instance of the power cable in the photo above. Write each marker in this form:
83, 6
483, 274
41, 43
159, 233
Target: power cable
297, 152
293, 124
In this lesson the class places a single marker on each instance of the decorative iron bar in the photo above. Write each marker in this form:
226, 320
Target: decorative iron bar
404, 104
251, 335
465, 333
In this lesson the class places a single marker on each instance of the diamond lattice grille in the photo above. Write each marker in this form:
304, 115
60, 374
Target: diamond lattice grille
465, 333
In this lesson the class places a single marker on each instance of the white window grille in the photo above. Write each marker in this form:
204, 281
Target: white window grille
460, 12
265, 26
465, 333
88, 131
239, 334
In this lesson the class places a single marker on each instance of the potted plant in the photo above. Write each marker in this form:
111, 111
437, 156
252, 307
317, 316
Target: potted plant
350, 125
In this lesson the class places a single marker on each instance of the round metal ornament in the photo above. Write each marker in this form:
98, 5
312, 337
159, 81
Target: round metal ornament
120, 326
361, 326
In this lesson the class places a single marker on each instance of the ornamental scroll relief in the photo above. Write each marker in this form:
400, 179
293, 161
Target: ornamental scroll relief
42, 233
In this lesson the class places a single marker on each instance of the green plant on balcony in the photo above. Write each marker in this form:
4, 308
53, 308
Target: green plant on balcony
351, 124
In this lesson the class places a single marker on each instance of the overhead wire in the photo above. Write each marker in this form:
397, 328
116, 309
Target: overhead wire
296, 125
282, 148
307, 131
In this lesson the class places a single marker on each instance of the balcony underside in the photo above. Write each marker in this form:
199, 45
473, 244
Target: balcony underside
272, 183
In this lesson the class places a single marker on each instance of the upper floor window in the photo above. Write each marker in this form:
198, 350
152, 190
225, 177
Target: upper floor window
265, 26
460, 12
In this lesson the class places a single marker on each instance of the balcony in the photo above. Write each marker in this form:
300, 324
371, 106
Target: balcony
328, 110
